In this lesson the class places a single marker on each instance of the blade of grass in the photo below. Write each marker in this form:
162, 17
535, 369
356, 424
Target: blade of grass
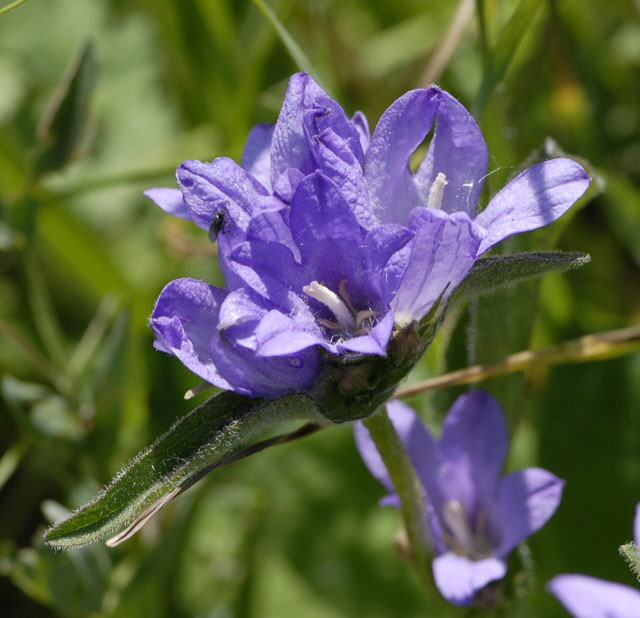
10, 7
44, 315
447, 46
499, 59
35, 356
299, 57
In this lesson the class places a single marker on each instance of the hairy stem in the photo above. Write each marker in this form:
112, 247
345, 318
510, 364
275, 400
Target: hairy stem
407, 486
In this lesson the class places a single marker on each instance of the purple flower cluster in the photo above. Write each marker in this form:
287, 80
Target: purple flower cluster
476, 517
590, 597
330, 243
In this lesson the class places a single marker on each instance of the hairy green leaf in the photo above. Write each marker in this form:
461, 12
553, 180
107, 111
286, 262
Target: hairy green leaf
493, 273
208, 437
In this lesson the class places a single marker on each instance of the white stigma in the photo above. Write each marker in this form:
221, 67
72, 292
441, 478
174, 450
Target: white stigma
457, 520
436, 193
333, 302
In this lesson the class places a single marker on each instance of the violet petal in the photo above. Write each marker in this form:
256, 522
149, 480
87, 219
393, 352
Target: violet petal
183, 319
256, 156
329, 237
223, 185
400, 130
335, 159
258, 376
290, 146
474, 444
457, 150
170, 200
527, 500
458, 578
374, 342
536, 197
589, 597
361, 125
442, 253
280, 335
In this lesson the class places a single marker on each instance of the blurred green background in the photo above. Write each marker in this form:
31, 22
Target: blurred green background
296, 530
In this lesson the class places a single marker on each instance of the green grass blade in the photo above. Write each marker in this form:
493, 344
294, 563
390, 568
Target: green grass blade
64, 123
500, 58
299, 57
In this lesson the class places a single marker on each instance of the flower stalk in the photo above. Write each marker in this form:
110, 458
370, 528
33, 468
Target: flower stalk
407, 487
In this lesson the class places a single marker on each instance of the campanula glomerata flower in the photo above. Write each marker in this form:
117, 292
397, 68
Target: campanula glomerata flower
590, 597
476, 517
329, 242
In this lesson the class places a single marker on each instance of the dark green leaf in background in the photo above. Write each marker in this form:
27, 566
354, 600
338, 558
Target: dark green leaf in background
64, 124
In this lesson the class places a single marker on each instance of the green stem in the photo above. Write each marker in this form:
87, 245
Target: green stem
407, 486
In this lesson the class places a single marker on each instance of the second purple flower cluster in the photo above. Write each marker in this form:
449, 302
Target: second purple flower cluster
476, 516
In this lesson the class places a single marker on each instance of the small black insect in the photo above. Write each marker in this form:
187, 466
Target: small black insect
216, 225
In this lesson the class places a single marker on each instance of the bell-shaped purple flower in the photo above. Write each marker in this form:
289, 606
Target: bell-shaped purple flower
328, 241
590, 597
476, 516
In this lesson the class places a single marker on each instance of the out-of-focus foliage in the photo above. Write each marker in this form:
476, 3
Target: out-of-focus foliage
295, 530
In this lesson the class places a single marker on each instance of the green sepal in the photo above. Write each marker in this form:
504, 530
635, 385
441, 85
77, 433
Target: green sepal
208, 437
354, 387
491, 274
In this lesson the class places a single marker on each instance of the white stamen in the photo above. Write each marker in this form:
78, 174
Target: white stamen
333, 302
436, 193
456, 519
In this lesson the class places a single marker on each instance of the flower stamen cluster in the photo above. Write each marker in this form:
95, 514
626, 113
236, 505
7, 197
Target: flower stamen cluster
350, 321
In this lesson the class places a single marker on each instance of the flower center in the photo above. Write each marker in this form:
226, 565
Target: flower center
436, 192
462, 538
349, 319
